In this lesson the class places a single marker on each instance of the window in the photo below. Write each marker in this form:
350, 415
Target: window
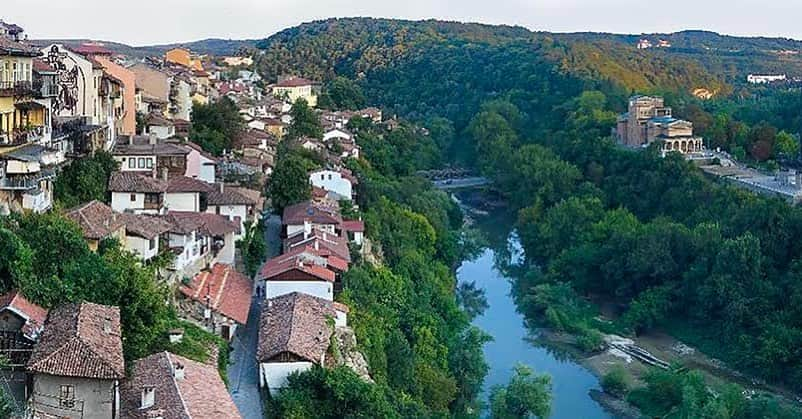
329, 177
322, 177
152, 198
132, 163
150, 163
133, 197
152, 244
141, 162
66, 396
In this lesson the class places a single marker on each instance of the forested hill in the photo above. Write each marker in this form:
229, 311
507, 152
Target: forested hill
422, 68
204, 46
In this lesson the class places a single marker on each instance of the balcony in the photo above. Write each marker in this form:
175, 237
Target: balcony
36, 200
26, 182
16, 89
45, 89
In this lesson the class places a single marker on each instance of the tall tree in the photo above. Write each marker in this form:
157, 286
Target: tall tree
305, 123
289, 183
526, 395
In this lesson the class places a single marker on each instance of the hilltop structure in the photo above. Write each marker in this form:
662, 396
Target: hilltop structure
649, 121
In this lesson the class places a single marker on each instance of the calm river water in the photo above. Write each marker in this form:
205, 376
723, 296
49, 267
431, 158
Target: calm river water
571, 382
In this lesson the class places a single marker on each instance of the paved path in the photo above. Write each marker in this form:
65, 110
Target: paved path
243, 371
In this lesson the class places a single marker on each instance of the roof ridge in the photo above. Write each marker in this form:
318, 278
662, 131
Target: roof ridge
222, 288
175, 383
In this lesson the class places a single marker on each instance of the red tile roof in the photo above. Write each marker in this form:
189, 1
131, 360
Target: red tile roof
201, 394
294, 82
184, 222
96, 219
91, 49
33, 314
283, 264
327, 243
229, 291
296, 323
80, 340
354, 225
184, 184
312, 212
135, 182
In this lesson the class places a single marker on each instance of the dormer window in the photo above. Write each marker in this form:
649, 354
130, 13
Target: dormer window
148, 397
107, 325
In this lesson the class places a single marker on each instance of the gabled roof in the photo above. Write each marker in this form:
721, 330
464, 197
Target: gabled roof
228, 196
201, 394
184, 184
145, 226
312, 212
296, 323
228, 291
325, 241
96, 219
354, 226
14, 48
80, 340
135, 182
185, 222
141, 146
33, 314
284, 263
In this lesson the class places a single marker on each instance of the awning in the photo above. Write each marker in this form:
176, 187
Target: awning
29, 106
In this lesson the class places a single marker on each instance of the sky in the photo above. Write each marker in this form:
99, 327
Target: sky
148, 22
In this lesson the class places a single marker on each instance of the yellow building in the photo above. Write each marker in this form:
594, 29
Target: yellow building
183, 57
21, 117
294, 88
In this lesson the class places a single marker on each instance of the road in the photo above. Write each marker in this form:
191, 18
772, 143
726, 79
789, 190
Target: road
243, 371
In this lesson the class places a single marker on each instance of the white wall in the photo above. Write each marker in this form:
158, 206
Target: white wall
191, 243
228, 253
336, 134
141, 247
274, 374
207, 170
320, 289
299, 228
121, 201
332, 181
162, 132
141, 163
182, 201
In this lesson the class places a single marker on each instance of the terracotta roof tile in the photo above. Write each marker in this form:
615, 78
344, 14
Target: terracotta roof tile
184, 184
184, 222
201, 394
229, 291
312, 212
228, 196
295, 262
33, 314
145, 226
296, 323
96, 219
80, 340
354, 225
135, 182
294, 82
322, 240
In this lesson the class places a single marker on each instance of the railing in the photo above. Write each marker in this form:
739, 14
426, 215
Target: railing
45, 89
16, 89
25, 182
25, 136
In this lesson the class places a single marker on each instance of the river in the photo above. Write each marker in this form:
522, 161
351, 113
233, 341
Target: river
511, 345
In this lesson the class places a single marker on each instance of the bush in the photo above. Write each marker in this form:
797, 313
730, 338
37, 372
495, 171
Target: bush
616, 382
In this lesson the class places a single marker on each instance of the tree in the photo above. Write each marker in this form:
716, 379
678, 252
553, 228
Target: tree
85, 180
215, 125
525, 395
305, 123
786, 145
615, 382
342, 94
289, 183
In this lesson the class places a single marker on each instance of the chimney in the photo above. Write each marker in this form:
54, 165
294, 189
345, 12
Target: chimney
107, 325
317, 245
307, 229
222, 187
152, 139
148, 397
165, 174
178, 371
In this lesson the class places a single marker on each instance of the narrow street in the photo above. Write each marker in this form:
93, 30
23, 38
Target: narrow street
243, 373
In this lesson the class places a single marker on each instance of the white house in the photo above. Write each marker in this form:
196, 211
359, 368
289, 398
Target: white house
236, 207
136, 193
143, 233
294, 335
298, 272
160, 127
200, 164
199, 239
337, 134
185, 194
332, 181
308, 216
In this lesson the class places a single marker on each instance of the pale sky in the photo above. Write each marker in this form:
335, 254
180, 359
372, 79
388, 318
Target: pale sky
146, 22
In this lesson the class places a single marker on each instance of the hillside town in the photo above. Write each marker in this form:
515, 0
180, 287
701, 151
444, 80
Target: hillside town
171, 200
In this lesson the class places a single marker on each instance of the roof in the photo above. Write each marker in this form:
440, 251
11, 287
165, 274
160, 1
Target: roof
33, 314
328, 243
41, 66
296, 323
294, 82
229, 291
159, 120
312, 212
135, 182
184, 184
96, 219
295, 262
196, 147
201, 394
354, 225
141, 146
91, 49
145, 226
224, 195
80, 340
184, 222
15, 48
